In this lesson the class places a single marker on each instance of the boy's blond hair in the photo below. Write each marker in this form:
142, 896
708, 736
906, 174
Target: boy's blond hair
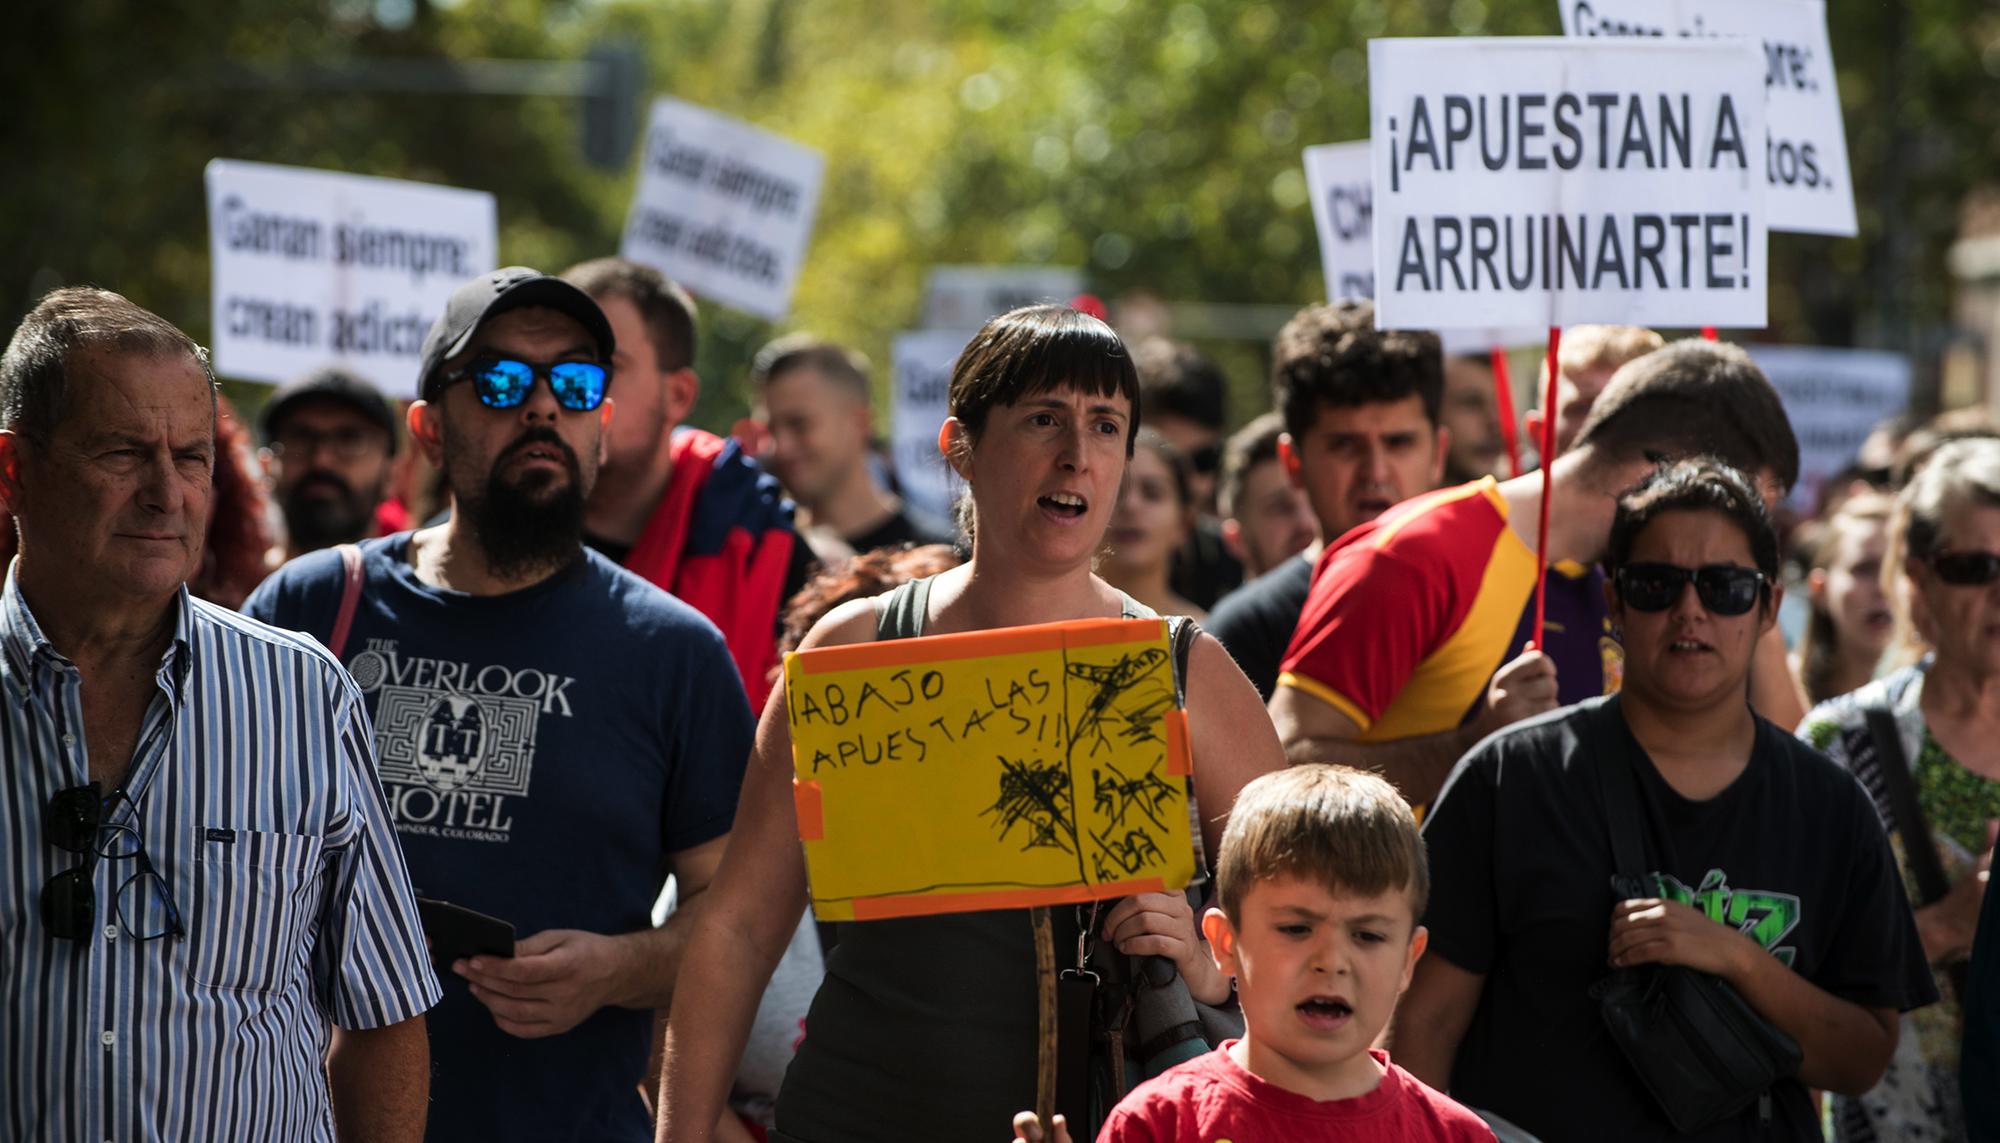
1346, 829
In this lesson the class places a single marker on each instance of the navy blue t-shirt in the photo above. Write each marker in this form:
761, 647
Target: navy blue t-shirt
544, 752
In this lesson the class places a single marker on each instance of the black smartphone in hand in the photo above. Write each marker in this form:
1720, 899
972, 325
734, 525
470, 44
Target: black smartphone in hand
455, 931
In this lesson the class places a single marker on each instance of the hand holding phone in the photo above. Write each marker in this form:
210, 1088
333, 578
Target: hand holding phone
456, 932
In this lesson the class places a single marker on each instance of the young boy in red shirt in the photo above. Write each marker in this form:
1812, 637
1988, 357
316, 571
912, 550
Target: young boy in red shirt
1321, 877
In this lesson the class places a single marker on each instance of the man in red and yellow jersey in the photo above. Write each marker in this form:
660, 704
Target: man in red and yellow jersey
1410, 617
1398, 631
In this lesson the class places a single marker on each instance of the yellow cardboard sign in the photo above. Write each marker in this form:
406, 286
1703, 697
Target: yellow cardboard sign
989, 770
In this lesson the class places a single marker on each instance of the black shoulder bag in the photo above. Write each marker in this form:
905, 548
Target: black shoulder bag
1698, 1047
1919, 845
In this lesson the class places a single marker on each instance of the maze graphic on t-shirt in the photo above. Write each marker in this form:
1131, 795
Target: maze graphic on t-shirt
452, 741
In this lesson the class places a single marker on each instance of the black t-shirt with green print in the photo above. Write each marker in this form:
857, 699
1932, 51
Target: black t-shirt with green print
1521, 862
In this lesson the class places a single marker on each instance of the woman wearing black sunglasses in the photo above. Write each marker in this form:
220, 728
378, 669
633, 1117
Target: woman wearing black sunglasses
1764, 865
925, 1028
1925, 740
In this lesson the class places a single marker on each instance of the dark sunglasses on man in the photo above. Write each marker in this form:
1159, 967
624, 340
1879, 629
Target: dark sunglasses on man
505, 382
1966, 569
1206, 460
75, 822
1724, 589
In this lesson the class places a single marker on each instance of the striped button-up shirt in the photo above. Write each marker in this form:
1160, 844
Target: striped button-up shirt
253, 787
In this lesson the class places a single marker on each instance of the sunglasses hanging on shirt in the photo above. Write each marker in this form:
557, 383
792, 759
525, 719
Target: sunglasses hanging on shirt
75, 822
1724, 589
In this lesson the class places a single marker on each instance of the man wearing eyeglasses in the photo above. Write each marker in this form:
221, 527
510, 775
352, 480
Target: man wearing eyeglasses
556, 734
200, 879
329, 441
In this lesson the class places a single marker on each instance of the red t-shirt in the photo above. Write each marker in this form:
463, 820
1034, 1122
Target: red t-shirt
1212, 1099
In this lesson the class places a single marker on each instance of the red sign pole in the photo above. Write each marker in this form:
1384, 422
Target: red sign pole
1548, 447
1503, 396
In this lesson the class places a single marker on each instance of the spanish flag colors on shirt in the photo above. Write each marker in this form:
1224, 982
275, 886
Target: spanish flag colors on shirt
1410, 614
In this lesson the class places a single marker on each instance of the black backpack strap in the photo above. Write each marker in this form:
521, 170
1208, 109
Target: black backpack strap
1919, 847
1618, 789
899, 614
1182, 631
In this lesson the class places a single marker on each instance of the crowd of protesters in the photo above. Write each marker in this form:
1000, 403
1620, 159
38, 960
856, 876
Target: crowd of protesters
321, 826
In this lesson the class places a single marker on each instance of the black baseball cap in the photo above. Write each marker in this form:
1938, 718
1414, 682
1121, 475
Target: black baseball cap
329, 384
510, 288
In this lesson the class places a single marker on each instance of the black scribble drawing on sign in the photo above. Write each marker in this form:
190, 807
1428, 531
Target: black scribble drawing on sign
1116, 795
1125, 698
1133, 852
1035, 795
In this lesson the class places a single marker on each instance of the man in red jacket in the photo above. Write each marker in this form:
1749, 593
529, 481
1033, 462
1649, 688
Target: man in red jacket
686, 509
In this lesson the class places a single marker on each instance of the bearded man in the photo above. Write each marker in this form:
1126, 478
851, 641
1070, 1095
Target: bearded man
556, 735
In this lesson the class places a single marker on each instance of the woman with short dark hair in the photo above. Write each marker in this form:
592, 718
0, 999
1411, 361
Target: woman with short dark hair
926, 1027
1762, 863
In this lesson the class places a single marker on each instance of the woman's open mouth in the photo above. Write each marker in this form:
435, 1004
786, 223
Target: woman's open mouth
1065, 505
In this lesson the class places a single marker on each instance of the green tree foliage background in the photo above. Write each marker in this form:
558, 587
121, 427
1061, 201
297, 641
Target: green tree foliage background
1155, 144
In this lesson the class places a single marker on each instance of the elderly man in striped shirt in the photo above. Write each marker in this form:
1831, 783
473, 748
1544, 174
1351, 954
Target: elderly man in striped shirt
198, 879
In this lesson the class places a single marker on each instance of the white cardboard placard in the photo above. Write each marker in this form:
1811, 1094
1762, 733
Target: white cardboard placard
1342, 186
1805, 147
1341, 182
1833, 398
1612, 181
921, 367
964, 297
313, 268
724, 208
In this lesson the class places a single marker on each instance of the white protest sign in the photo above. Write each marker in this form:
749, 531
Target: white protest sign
964, 297
311, 268
1530, 181
1834, 398
1805, 148
723, 208
921, 366
1341, 183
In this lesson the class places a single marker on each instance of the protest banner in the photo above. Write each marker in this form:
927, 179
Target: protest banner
920, 370
1019, 767
964, 297
1805, 145
1341, 183
1834, 398
723, 208
1529, 181
314, 268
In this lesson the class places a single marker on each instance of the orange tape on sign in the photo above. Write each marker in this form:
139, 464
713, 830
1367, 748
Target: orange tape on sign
940, 648
812, 817
1104, 632
1180, 759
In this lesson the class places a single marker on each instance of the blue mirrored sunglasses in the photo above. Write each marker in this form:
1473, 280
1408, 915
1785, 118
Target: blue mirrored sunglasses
505, 382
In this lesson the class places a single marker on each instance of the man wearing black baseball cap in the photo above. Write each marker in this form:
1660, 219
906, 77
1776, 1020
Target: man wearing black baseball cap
555, 734
329, 441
